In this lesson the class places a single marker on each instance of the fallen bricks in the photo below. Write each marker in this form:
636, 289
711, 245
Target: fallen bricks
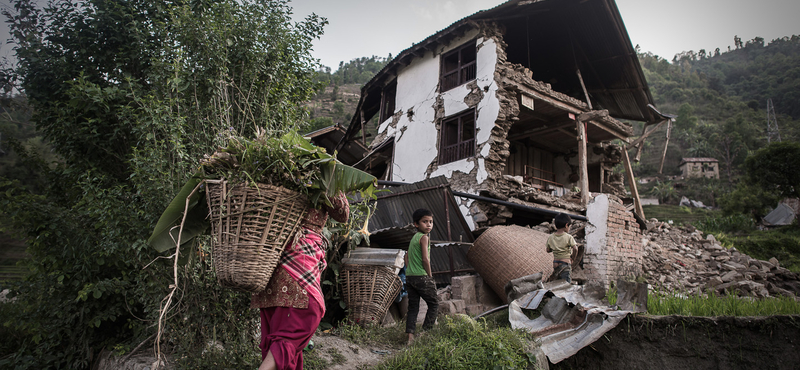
680, 259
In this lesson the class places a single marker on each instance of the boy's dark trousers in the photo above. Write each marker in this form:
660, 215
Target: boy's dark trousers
421, 287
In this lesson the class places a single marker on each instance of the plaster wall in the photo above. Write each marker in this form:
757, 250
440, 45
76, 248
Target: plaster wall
417, 134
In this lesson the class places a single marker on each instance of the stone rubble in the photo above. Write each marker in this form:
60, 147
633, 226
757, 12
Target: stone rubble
680, 259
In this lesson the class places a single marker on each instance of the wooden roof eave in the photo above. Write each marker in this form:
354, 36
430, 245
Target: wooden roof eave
537, 90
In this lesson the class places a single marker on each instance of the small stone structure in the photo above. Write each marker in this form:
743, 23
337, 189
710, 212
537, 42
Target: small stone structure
699, 167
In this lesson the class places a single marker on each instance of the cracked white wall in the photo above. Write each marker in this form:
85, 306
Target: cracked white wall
416, 137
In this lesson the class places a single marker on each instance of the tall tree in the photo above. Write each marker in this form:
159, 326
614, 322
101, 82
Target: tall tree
131, 94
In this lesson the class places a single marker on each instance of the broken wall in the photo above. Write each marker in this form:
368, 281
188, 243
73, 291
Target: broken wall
421, 107
614, 242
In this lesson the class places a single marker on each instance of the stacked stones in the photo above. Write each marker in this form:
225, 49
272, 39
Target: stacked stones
679, 259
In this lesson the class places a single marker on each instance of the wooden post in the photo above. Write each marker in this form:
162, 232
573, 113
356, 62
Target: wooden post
582, 165
583, 86
637, 203
363, 129
666, 143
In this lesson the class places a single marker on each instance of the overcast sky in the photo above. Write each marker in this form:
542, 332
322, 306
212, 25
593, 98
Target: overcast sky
359, 28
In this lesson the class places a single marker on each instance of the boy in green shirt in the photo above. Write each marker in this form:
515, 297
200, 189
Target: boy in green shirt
563, 246
419, 277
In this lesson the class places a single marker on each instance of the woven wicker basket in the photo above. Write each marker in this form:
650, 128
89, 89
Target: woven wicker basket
504, 253
249, 229
369, 291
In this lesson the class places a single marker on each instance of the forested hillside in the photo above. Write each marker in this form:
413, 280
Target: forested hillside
721, 99
338, 92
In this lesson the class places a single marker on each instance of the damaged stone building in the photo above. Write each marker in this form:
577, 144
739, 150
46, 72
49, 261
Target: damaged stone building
521, 103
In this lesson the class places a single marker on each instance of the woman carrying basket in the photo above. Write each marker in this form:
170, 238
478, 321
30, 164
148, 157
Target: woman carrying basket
292, 305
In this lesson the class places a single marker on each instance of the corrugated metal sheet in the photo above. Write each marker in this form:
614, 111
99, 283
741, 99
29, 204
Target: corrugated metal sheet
574, 316
782, 215
398, 203
391, 226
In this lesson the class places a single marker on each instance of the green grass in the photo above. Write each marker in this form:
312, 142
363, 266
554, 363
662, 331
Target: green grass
713, 305
678, 215
459, 342
783, 244
375, 334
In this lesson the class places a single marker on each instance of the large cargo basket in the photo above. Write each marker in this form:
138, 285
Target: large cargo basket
250, 226
368, 292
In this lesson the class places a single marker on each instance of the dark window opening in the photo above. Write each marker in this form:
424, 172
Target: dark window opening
458, 137
458, 66
388, 97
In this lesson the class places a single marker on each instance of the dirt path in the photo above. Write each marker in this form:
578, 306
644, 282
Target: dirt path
335, 350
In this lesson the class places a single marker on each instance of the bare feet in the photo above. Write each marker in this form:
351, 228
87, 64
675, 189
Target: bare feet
410, 338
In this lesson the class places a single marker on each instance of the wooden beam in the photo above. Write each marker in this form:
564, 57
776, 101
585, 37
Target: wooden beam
586, 94
592, 114
664, 153
554, 102
363, 129
645, 135
637, 203
542, 130
582, 163
609, 130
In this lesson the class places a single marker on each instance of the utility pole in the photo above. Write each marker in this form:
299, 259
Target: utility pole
773, 133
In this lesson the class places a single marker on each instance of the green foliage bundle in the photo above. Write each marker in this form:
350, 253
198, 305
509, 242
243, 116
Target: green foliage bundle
131, 95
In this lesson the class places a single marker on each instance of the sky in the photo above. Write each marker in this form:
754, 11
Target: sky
362, 28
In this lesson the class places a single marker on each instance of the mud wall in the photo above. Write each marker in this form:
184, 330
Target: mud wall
696, 343
614, 242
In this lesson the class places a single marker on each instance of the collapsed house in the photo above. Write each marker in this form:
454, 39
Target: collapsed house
519, 105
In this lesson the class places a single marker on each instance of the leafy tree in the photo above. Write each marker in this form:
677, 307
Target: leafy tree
747, 199
131, 95
775, 169
686, 119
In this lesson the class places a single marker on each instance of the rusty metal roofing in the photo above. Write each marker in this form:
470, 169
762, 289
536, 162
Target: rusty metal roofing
391, 225
396, 205
588, 35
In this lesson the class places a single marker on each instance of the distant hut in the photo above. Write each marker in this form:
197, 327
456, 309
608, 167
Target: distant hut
699, 167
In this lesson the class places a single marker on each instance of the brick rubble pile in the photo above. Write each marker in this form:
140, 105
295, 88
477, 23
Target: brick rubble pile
680, 259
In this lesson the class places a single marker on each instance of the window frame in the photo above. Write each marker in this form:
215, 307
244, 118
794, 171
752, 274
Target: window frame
458, 149
388, 100
464, 72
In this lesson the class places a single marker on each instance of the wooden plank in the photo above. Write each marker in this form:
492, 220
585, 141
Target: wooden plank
664, 153
637, 203
583, 86
645, 135
582, 163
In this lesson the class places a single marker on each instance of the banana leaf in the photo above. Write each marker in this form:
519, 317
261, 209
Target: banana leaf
166, 231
